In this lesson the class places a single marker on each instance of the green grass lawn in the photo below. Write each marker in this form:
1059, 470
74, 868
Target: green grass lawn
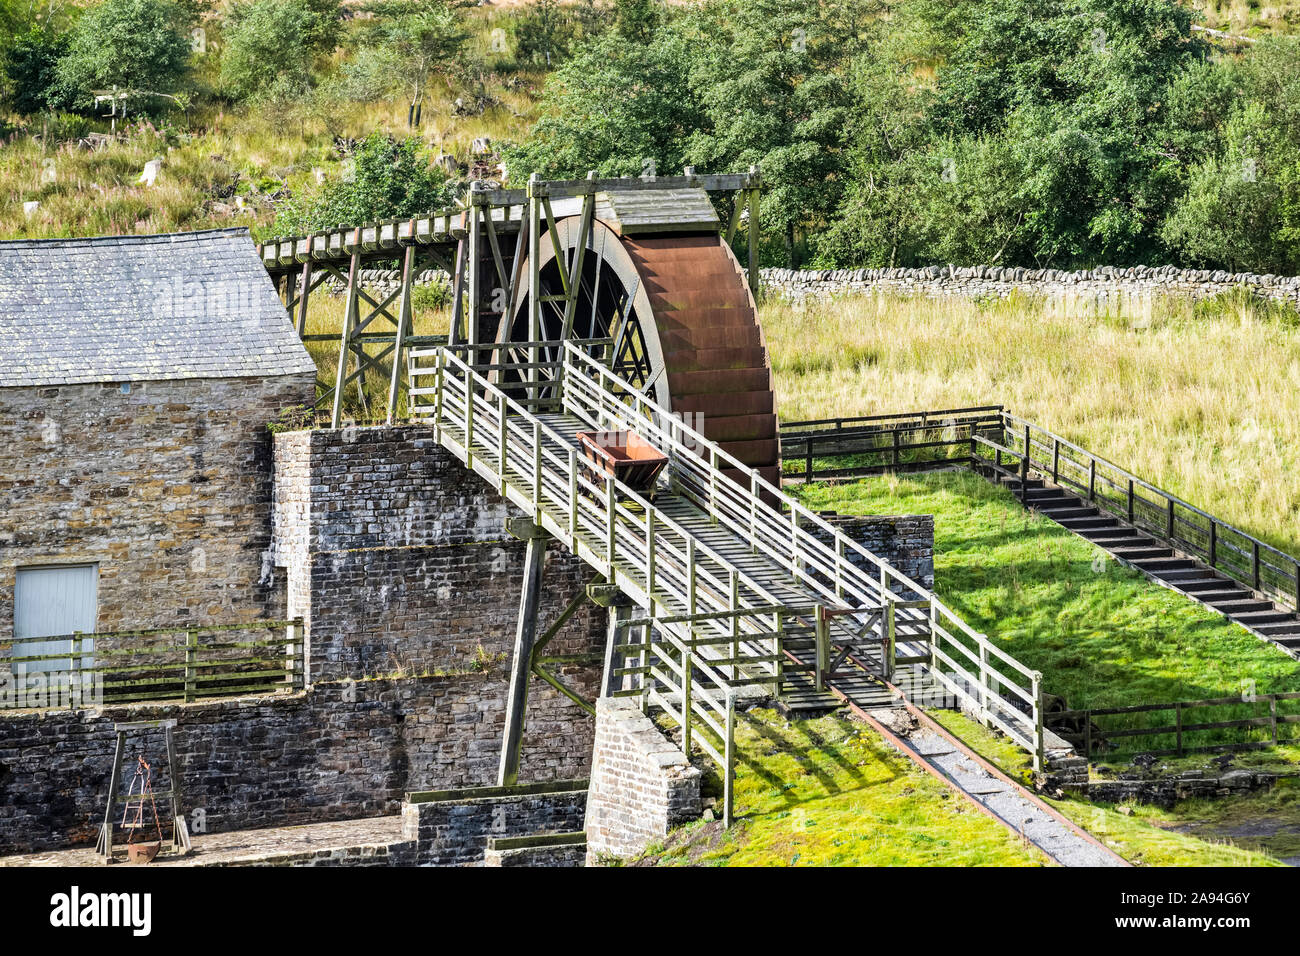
829, 792
1102, 635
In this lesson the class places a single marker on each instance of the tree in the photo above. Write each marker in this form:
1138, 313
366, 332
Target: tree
770, 81
426, 38
622, 109
31, 67
269, 46
138, 46
387, 178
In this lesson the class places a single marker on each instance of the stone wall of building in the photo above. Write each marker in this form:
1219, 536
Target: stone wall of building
641, 783
166, 487
399, 560
453, 829
337, 751
1106, 288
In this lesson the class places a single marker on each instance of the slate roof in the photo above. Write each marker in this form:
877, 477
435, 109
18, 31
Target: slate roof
141, 308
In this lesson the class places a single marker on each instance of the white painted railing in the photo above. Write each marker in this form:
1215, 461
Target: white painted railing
990, 682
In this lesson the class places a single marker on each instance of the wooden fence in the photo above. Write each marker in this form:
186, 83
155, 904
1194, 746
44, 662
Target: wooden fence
1196, 533
1245, 722
872, 444
174, 663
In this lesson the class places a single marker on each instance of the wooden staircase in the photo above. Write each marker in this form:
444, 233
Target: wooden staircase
1158, 560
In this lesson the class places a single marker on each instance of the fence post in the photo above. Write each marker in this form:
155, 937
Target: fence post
1038, 721
690, 576
1254, 561
439, 374
1169, 521
839, 567
984, 682
890, 641
537, 473
1092, 479
686, 691
469, 422
611, 512
501, 445
1056, 460
1214, 545
650, 562
778, 650
734, 606
191, 660
1024, 471
74, 687
1130, 501
713, 485
573, 495
821, 633
753, 510
1272, 716
808, 460
1178, 725
1087, 735
729, 754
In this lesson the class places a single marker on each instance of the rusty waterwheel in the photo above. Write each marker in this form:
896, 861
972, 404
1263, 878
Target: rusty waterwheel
683, 324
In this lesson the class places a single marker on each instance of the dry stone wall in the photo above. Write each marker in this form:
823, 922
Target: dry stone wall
1103, 288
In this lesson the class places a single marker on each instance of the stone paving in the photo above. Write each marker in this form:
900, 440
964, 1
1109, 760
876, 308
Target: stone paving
317, 842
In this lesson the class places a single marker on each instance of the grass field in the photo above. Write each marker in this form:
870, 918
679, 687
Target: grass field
1198, 399
1103, 635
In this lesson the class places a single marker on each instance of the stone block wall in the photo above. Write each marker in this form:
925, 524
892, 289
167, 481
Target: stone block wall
337, 751
453, 829
904, 541
167, 488
641, 783
398, 558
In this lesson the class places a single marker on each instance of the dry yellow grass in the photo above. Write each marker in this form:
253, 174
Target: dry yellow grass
1204, 402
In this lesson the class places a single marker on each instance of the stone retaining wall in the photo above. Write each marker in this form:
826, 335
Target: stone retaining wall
337, 751
398, 557
453, 828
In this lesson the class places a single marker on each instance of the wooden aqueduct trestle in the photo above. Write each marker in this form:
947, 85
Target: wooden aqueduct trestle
618, 305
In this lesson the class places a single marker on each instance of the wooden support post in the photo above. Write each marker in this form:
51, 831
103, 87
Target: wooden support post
1272, 717
611, 515
808, 460
537, 472
686, 701
1130, 501
105, 845
345, 337
521, 663
889, 644
1092, 479
573, 496
1254, 563
754, 202
985, 716
1024, 471
1056, 460
405, 326
180, 830
1169, 521
1214, 545
1037, 690
615, 632
651, 561
821, 631
534, 280
473, 322
503, 431
304, 291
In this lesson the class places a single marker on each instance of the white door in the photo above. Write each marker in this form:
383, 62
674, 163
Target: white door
54, 601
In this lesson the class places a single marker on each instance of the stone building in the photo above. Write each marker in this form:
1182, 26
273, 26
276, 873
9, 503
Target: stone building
139, 375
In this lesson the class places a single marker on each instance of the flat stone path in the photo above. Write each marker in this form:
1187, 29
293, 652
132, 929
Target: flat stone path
297, 845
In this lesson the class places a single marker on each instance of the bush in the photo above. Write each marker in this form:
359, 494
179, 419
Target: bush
387, 179
266, 47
